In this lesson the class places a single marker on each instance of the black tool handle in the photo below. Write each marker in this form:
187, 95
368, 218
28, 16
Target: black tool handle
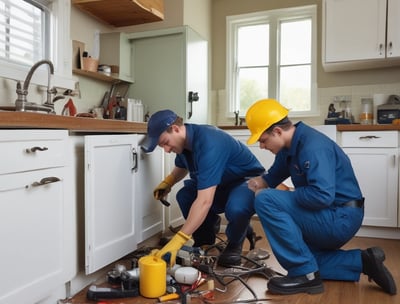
165, 202
96, 293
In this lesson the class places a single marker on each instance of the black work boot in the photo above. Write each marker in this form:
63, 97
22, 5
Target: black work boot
310, 283
372, 260
231, 256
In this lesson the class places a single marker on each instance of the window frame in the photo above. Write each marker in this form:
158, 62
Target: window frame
272, 17
60, 51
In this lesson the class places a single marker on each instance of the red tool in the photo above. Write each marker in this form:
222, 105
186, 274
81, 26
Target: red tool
69, 108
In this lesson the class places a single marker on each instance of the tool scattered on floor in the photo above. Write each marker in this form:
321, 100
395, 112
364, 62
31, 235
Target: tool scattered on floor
193, 276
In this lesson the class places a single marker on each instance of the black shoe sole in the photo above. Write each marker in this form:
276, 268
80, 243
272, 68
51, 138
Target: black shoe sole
228, 264
287, 291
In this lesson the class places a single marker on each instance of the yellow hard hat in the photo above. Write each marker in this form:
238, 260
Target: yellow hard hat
263, 114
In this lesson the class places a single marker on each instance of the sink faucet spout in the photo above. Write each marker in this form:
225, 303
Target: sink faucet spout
33, 69
22, 91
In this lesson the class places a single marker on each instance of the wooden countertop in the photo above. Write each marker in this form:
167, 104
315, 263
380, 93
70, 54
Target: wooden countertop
233, 127
339, 128
359, 127
31, 120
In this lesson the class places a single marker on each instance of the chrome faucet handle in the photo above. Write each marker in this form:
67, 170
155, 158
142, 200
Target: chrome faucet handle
50, 92
20, 90
53, 90
21, 97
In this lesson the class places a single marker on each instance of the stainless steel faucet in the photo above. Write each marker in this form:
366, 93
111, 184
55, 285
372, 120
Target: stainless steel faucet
22, 104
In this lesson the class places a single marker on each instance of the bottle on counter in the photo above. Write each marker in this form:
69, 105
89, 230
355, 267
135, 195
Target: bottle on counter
135, 110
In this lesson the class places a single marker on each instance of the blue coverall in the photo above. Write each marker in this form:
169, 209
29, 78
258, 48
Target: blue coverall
306, 227
214, 158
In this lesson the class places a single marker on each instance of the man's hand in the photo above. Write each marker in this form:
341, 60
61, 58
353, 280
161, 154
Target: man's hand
255, 184
172, 247
164, 187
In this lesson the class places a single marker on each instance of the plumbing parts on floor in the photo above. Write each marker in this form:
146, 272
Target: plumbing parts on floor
194, 275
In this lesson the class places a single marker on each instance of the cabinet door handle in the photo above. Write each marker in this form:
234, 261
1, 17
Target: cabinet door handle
380, 48
134, 160
34, 149
45, 181
368, 137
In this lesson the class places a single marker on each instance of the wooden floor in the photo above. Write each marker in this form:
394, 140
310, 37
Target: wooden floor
363, 292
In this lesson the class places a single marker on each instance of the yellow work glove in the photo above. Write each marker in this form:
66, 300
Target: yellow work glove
164, 187
172, 247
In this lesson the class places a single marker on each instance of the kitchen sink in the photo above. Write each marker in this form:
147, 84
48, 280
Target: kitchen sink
7, 108
29, 107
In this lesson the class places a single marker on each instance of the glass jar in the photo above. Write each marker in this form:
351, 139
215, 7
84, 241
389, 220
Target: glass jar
366, 115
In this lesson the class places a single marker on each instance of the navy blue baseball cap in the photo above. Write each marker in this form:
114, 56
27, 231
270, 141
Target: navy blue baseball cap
158, 123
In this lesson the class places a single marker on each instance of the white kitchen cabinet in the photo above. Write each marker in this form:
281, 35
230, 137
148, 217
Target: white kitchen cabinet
150, 213
35, 214
120, 210
170, 68
111, 163
354, 40
265, 157
374, 157
173, 214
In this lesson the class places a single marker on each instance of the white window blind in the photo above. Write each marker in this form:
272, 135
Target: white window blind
23, 31
32, 30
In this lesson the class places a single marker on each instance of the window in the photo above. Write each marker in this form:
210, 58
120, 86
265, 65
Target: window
272, 54
23, 32
32, 30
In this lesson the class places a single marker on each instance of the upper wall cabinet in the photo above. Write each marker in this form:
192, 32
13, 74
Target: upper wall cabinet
123, 12
116, 49
353, 40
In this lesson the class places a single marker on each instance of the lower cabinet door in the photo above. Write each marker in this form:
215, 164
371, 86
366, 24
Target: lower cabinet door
150, 212
111, 164
31, 234
377, 172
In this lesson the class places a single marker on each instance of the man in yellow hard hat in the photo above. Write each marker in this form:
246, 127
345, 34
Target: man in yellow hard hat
307, 227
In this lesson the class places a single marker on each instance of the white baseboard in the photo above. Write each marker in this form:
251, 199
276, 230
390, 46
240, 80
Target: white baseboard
379, 232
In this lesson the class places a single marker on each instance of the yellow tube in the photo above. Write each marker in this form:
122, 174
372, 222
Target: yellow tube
168, 297
152, 276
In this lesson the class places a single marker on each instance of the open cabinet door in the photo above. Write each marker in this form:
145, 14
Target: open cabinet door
110, 172
150, 212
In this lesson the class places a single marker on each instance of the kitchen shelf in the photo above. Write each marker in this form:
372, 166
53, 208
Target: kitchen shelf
123, 12
110, 78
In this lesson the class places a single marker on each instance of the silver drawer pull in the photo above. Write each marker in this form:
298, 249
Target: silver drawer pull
368, 137
42, 182
34, 149
45, 181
